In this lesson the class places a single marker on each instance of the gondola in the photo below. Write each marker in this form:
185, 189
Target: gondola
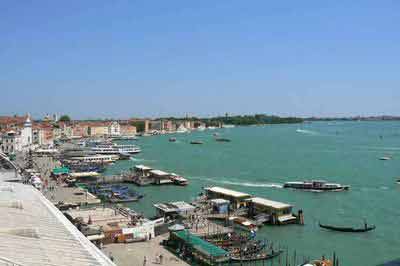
348, 229
268, 256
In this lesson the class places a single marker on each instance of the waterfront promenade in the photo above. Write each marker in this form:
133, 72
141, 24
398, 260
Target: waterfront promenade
133, 253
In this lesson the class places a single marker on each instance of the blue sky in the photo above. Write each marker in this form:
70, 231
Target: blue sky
157, 58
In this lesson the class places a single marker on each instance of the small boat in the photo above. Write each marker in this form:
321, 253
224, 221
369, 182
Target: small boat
259, 256
316, 185
222, 140
348, 229
385, 158
172, 139
398, 181
179, 180
196, 142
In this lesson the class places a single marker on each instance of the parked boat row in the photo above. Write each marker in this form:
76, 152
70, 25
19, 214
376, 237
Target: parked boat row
115, 193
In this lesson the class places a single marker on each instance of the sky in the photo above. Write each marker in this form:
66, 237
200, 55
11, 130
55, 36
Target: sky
101, 59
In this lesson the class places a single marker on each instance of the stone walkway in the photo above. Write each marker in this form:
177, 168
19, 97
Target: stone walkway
132, 254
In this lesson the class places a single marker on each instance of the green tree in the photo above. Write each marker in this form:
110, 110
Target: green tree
65, 118
139, 125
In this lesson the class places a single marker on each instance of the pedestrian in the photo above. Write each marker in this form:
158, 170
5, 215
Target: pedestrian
144, 261
111, 257
161, 258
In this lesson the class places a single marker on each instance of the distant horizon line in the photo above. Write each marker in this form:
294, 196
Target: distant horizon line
352, 117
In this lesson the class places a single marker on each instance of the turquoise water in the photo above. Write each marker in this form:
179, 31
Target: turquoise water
260, 159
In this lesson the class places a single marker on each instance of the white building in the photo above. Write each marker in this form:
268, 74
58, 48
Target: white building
114, 129
26, 134
10, 142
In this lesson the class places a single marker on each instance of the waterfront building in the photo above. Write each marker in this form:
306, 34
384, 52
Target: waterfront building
127, 129
114, 128
43, 134
97, 129
237, 199
10, 142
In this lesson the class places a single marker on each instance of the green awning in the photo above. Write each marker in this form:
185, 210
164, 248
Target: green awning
61, 170
200, 244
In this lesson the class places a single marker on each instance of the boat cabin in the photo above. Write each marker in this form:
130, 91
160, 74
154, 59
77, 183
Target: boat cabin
237, 199
174, 209
160, 177
278, 212
142, 170
220, 206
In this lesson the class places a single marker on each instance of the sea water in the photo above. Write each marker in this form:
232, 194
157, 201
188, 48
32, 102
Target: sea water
260, 159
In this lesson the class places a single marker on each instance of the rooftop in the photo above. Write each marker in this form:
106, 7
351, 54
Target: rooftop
270, 203
143, 167
158, 172
174, 206
228, 192
42, 235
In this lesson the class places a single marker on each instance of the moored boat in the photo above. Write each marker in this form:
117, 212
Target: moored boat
172, 139
222, 140
316, 185
196, 142
179, 180
257, 256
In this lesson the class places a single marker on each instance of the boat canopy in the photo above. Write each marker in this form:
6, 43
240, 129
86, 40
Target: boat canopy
61, 170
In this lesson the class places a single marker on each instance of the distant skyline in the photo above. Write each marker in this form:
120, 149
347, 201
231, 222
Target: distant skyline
121, 59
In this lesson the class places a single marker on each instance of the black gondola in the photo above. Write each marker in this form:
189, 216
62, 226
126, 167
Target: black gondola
348, 229
257, 256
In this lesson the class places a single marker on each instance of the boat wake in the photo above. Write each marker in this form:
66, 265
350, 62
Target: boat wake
238, 183
304, 131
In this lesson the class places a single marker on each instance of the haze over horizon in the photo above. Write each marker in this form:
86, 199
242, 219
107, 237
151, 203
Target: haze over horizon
140, 59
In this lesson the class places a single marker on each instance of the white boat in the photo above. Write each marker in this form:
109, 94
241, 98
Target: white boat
182, 129
201, 128
211, 128
178, 180
96, 158
228, 126
385, 158
115, 150
316, 185
124, 137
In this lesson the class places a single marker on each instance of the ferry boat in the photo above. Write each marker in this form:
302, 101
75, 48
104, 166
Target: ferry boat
124, 137
96, 159
115, 150
316, 185
179, 180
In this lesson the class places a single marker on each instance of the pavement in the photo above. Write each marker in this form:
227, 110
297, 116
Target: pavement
133, 254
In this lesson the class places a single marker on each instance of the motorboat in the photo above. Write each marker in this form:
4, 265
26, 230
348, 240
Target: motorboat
172, 139
179, 180
316, 185
196, 142
385, 158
